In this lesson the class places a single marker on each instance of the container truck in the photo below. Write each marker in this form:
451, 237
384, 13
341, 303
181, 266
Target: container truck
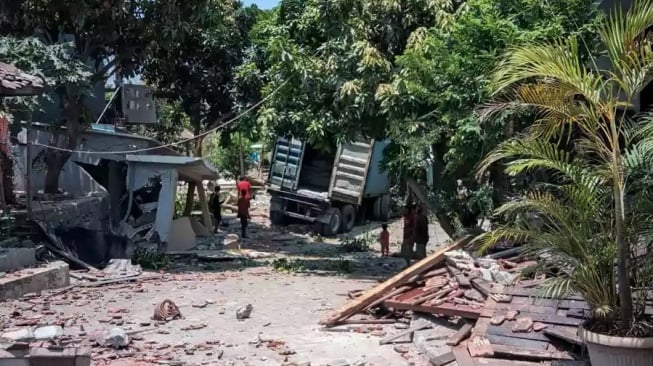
334, 191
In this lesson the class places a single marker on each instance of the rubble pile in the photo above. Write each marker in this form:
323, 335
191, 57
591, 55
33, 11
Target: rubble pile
497, 315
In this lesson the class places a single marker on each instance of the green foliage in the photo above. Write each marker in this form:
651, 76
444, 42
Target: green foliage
595, 209
286, 265
6, 226
112, 37
197, 68
356, 244
327, 59
54, 63
224, 154
150, 259
444, 77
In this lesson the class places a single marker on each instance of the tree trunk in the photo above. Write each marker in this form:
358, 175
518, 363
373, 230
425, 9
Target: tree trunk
56, 159
623, 265
197, 151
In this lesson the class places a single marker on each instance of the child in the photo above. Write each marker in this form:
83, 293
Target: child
243, 212
385, 241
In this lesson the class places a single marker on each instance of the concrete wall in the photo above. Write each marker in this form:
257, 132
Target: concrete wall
74, 179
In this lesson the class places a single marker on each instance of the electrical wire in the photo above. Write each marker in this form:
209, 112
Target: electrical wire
201, 135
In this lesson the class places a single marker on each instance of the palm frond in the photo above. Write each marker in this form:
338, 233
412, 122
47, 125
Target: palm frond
558, 62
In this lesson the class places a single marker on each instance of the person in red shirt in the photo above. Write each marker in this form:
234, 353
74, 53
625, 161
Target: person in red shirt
243, 213
385, 240
244, 185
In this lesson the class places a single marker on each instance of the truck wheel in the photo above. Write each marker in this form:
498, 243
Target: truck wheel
278, 218
348, 218
384, 208
376, 208
333, 227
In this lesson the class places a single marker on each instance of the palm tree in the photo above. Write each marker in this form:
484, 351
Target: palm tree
593, 147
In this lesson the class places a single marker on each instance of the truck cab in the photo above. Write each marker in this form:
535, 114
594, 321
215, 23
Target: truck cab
333, 190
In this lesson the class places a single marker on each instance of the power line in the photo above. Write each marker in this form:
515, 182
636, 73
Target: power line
205, 133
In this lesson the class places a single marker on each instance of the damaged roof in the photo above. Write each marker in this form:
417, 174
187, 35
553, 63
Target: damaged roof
189, 168
15, 82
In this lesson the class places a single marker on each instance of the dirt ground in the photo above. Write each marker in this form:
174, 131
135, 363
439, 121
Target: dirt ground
294, 282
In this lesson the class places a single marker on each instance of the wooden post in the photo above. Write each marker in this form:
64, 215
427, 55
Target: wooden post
28, 173
205, 207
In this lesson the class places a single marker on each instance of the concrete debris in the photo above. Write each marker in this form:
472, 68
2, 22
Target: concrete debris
116, 338
512, 315
523, 325
48, 332
244, 312
20, 335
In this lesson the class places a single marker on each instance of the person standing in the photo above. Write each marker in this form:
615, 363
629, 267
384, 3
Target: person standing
243, 184
409, 231
385, 240
243, 213
216, 207
421, 232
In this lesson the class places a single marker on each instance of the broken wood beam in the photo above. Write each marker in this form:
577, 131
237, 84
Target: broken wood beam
442, 359
408, 331
564, 334
463, 358
529, 354
463, 333
399, 279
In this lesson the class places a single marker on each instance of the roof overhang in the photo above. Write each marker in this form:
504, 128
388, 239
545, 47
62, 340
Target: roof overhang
189, 168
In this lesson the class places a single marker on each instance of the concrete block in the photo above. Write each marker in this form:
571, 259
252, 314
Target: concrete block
49, 357
12, 259
34, 280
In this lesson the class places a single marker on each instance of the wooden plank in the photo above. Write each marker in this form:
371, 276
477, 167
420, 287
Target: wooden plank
463, 333
566, 334
573, 304
517, 342
463, 311
502, 308
505, 330
520, 353
504, 362
462, 356
408, 331
391, 294
399, 279
442, 359
552, 319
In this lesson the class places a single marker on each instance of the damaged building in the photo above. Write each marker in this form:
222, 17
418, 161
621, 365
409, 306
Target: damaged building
118, 186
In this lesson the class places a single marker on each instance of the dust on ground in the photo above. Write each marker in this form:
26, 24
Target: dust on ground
297, 279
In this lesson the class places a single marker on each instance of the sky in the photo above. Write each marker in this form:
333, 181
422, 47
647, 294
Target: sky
263, 4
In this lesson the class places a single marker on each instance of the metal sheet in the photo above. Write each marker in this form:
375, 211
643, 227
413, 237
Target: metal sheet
286, 164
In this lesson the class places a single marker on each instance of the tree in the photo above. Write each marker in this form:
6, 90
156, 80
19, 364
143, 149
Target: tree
444, 76
198, 67
110, 36
327, 59
604, 173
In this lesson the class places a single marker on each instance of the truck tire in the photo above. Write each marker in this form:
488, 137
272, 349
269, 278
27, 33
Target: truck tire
384, 208
278, 218
376, 209
348, 218
333, 227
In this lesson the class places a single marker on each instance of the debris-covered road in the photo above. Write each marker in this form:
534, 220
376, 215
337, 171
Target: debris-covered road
281, 329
